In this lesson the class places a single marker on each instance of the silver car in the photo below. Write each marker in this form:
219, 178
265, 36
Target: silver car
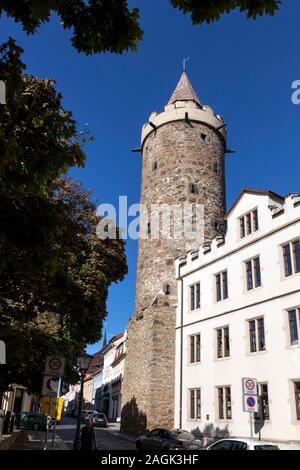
241, 444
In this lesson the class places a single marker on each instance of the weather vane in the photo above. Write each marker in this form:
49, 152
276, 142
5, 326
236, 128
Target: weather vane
184, 63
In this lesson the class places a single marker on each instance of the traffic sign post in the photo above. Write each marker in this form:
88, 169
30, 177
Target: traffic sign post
55, 365
250, 399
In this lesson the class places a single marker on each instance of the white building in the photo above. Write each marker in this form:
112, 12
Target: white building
113, 371
238, 316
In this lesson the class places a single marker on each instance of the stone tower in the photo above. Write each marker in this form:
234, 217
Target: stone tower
183, 151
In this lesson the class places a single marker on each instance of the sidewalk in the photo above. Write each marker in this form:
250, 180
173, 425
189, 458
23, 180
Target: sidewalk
35, 440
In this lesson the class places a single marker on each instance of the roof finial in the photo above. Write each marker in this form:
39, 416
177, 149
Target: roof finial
184, 63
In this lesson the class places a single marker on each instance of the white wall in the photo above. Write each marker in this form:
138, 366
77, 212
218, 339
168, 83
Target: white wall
279, 364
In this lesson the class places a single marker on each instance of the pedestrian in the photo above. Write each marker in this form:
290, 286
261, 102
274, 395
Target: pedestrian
88, 437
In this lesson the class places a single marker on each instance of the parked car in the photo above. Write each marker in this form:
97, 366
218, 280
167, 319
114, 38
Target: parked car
164, 439
99, 419
34, 421
241, 444
86, 414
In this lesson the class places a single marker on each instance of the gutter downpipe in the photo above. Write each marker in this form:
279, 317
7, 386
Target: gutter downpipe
181, 343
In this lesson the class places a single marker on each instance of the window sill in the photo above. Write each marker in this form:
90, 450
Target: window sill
256, 353
219, 359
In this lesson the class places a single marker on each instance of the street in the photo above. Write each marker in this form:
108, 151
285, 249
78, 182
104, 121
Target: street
107, 438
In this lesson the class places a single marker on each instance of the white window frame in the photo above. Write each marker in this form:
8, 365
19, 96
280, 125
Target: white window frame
221, 274
243, 218
195, 336
196, 416
222, 328
194, 307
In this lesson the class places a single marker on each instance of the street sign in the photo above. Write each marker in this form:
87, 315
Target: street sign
250, 403
55, 365
249, 386
50, 385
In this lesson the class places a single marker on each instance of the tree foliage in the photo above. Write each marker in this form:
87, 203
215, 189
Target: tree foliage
54, 271
206, 11
110, 26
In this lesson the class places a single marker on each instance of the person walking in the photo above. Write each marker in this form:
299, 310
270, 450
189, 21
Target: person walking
88, 437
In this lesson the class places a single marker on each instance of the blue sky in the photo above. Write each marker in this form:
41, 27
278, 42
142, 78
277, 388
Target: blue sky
242, 68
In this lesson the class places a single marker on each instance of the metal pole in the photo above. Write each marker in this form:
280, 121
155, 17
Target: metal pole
76, 445
56, 409
49, 413
251, 424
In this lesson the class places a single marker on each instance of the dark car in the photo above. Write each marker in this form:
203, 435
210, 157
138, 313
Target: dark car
164, 439
35, 421
99, 419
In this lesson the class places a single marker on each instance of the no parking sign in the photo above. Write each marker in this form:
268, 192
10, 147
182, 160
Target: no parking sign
250, 403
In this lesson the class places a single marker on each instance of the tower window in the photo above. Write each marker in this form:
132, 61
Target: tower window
192, 188
216, 225
149, 228
154, 166
203, 136
166, 289
215, 168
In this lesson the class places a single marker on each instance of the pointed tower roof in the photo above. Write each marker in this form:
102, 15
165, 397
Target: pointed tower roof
184, 91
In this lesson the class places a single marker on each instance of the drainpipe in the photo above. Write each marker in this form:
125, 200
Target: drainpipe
182, 263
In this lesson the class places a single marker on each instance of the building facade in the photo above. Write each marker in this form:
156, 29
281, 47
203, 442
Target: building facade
245, 323
183, 151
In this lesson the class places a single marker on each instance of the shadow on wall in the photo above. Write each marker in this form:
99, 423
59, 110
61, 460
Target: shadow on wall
211, 432
133, 421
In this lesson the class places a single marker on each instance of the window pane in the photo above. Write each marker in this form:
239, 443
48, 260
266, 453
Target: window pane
255, 220
221, 403
198, 345
252, 335
242, 227
198, 404
297, 398
228, 403
220, 342
198, 295
218, 287
296, 251
257, 272
248, 223
287, 260
264, 401
225, 285
226, 342
192, 409
192, 297
192, 338
261, 334
294, 337
249, 275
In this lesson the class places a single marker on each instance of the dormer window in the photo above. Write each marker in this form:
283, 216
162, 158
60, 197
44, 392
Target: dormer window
248, 223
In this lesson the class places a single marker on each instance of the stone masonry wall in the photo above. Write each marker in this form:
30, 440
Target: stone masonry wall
176, 154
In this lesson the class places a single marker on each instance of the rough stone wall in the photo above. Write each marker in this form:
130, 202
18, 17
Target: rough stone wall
176, 154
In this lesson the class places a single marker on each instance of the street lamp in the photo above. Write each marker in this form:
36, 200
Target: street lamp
84, 361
